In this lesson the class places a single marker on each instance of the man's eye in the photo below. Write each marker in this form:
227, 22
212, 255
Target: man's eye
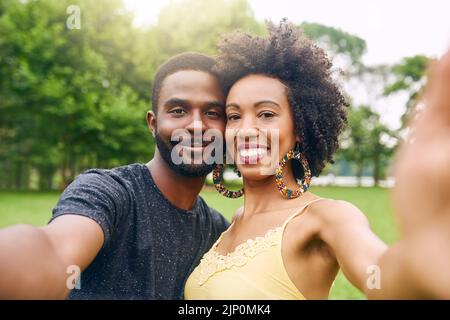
177, 111
213, 114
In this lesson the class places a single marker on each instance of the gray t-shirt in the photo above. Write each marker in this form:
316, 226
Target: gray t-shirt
151, 246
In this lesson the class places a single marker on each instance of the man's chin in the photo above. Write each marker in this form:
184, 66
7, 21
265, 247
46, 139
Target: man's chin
189, 170
192, 170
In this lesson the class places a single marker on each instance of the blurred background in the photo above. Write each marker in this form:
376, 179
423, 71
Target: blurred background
76, 76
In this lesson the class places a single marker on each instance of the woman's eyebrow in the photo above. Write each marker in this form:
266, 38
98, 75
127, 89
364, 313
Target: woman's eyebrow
232, 105
266, 102
256, 104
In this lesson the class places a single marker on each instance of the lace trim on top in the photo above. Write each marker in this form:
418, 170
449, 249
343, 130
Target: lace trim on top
213, 262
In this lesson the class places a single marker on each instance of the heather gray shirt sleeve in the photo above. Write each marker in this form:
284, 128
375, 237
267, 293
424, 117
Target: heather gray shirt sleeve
98, 196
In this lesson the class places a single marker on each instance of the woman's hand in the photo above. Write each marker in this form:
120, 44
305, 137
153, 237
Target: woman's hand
422, 166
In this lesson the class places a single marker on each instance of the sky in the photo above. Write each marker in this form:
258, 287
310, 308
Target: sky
393, 29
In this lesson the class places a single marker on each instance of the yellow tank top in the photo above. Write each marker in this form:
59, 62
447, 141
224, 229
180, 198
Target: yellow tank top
253, 270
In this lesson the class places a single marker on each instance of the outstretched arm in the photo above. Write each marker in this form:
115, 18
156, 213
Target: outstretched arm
34, 261
346, 230
417, 266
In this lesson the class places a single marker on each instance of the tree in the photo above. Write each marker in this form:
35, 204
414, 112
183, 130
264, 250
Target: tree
409, 76
72, 99
342, 46
197, 25
366, 141
58, 86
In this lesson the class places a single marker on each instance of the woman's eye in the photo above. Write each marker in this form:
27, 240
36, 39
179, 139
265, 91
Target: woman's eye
233, 117
266, 114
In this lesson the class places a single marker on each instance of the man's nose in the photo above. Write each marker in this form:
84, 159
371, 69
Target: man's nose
196, 123
196, 126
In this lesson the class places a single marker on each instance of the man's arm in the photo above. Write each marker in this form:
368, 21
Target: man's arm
34, 261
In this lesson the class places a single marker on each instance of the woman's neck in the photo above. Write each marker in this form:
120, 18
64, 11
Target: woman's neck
263, 195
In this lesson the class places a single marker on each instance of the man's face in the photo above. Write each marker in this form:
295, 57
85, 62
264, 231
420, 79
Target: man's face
192, 101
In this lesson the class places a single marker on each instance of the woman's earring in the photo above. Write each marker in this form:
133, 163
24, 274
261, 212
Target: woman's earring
217, 180
236, 170
304, 183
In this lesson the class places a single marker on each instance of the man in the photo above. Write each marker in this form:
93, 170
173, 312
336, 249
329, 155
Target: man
135, 231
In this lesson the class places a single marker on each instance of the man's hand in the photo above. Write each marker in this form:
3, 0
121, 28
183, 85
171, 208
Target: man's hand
34, 261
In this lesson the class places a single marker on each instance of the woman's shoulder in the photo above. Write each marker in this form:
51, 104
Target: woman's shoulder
332, 211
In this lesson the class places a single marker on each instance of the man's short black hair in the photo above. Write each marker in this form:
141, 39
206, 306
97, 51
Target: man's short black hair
317, 103
184, 61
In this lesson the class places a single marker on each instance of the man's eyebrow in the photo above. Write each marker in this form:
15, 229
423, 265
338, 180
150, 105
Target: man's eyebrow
215, 104
172, 102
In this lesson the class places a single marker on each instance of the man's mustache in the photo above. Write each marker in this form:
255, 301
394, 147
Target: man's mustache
192, 142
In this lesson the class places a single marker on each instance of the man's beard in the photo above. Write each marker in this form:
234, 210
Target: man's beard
188, 170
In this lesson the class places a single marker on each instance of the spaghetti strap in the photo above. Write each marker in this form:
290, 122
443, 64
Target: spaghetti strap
298, 212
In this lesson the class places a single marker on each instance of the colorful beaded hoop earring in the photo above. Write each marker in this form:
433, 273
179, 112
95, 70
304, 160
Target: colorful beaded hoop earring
217, 173
305, 182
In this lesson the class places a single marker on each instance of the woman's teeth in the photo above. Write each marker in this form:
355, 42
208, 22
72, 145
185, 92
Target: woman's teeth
254, 152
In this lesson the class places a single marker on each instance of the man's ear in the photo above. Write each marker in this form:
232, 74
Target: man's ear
151, 122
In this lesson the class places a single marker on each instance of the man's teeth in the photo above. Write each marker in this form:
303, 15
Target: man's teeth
252, 152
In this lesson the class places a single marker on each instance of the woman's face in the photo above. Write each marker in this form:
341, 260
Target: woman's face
260, 128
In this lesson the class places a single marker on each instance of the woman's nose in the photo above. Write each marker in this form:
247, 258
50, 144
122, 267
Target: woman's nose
247, 133
248, 125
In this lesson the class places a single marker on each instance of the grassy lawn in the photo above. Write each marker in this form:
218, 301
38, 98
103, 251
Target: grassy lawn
35, 208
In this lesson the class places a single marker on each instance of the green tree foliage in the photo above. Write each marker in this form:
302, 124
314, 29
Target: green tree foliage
409, 76
197, 25
72, 99
338, 43
367, 142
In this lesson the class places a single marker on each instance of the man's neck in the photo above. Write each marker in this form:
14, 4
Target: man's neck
180, 190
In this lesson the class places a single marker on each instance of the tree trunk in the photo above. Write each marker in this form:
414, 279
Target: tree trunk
376, 170
46, 173
64, 173
359, 170
18, 172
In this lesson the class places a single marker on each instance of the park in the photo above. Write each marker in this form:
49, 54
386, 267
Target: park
76, 79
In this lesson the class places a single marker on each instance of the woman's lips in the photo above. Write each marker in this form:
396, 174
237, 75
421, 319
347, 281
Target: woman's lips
252, 154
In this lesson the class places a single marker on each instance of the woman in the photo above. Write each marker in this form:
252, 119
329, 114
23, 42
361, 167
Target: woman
285, 242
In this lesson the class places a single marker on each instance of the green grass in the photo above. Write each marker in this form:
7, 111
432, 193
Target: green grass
35, 208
